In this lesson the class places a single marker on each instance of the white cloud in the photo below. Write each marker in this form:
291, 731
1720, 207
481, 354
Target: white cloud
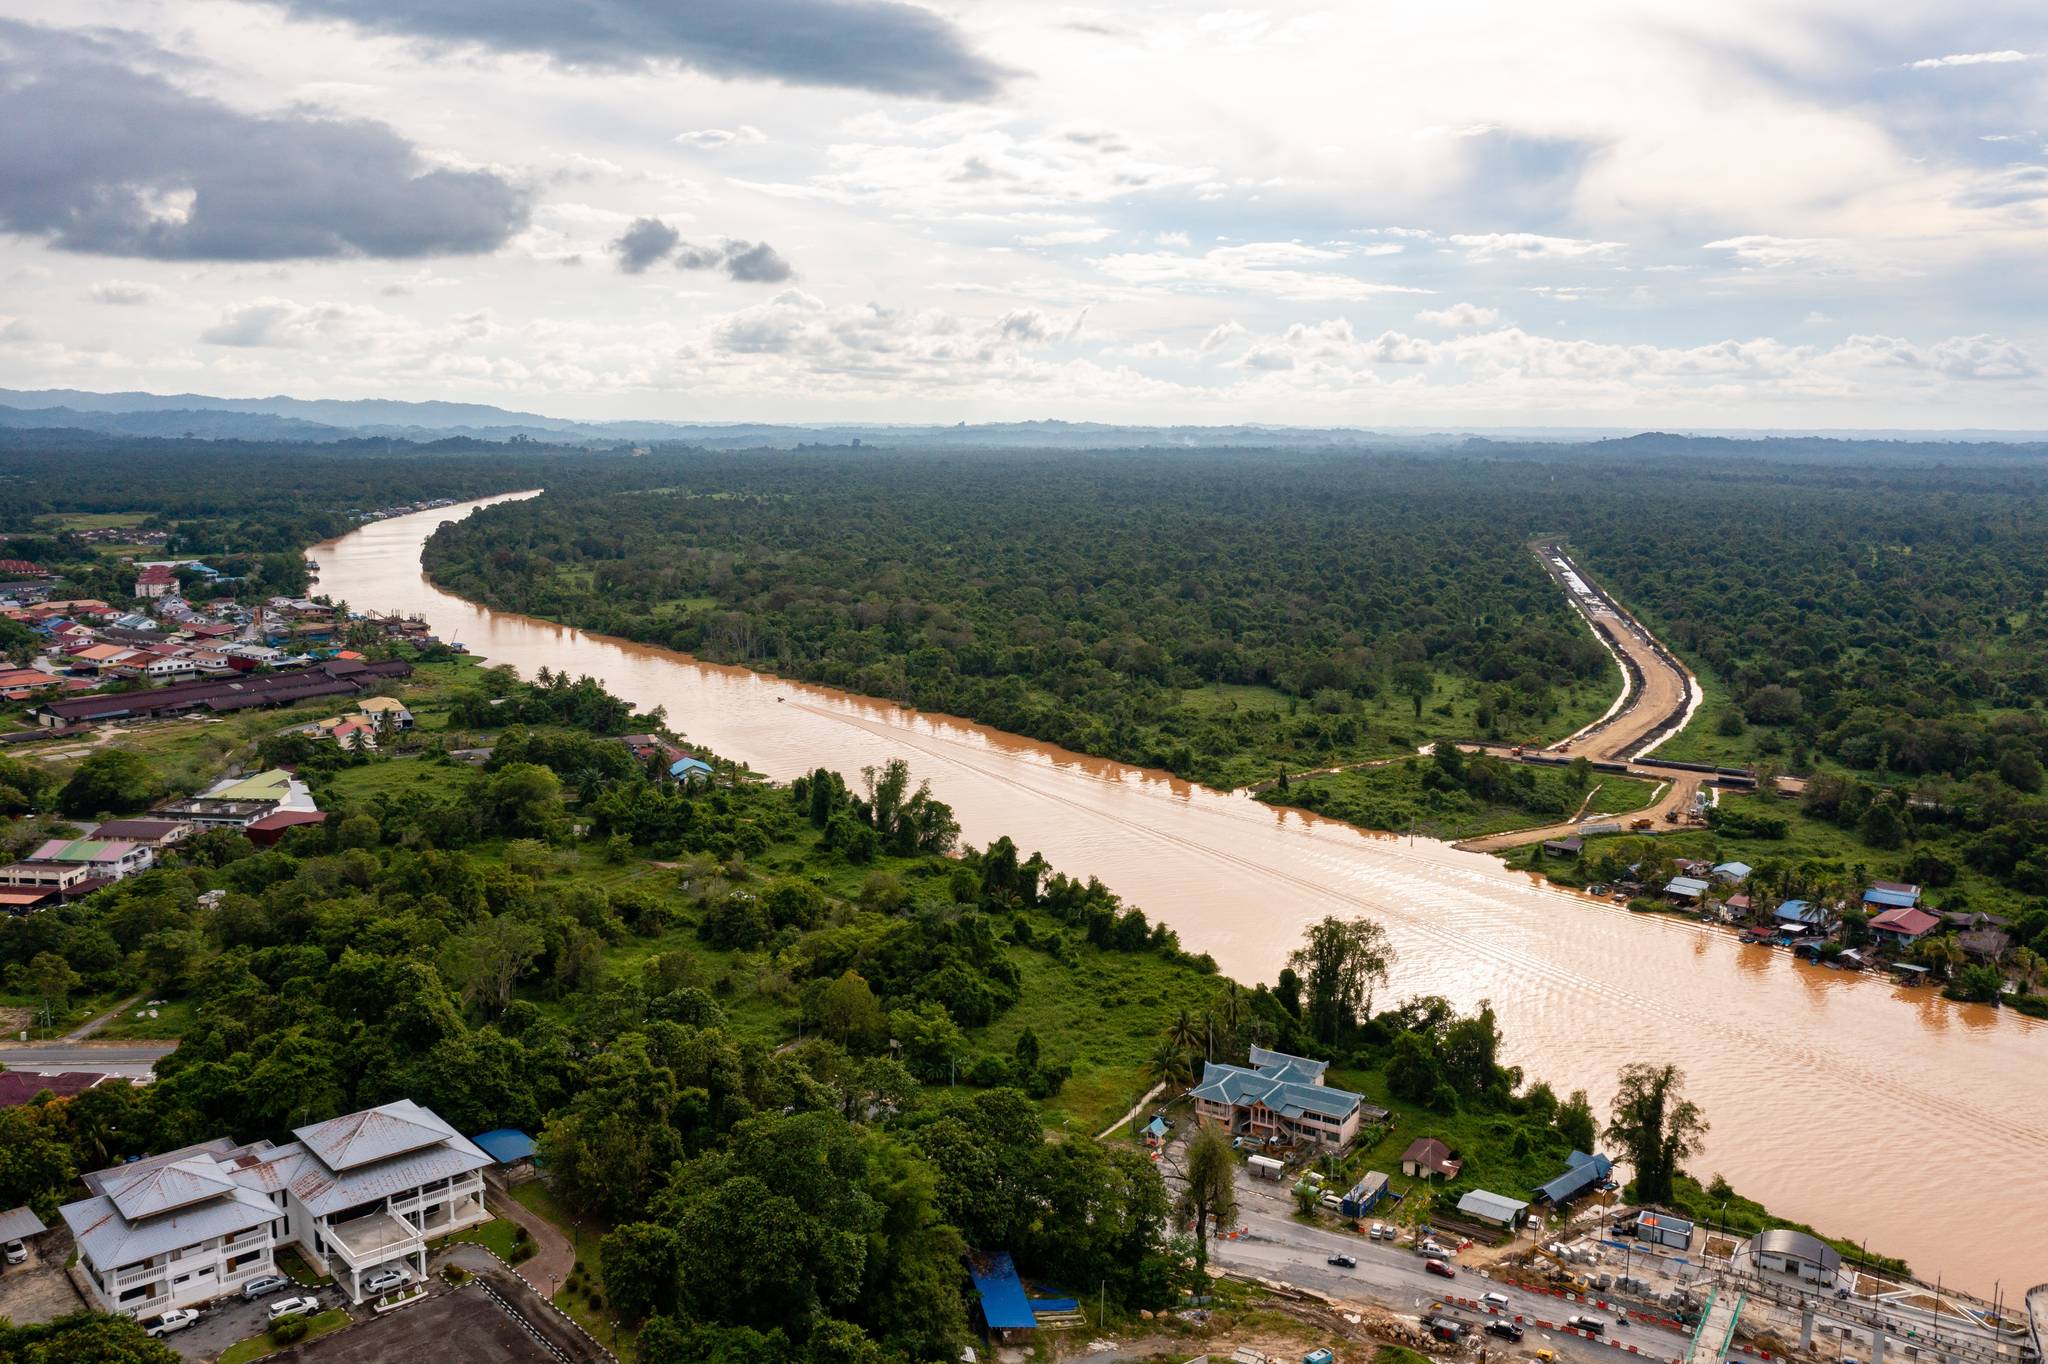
1284, 270
1068, 236
1969, 59
1531, 246
710, 139
283, 322
126, 293
1459, 316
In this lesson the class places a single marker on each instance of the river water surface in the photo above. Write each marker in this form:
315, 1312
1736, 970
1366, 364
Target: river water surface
1865, 1108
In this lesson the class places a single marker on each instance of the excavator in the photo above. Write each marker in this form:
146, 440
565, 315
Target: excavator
1561, 1271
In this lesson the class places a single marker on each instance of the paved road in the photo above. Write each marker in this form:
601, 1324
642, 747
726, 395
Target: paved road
79, 1034
132, 1060
1281, 1248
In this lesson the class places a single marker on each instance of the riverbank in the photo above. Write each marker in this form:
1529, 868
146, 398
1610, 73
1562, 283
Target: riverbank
1580, 987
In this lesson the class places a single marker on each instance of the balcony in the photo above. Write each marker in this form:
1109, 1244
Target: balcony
374, 1239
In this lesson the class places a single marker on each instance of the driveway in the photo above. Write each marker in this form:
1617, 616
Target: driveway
224, 1321
40, 1290
554, 1254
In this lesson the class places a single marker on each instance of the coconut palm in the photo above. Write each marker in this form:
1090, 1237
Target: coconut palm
1169, 1065
1185, 1031
2027, 967
1944, 953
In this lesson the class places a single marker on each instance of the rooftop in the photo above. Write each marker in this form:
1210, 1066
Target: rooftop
358, 1139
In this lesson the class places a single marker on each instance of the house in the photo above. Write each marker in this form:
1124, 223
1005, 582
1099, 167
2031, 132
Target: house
1891, 895
271, 829
1984, 944
1903, 927
1280, 1096
108, 859
208, 813
354, 736
18, 1087
1582, 1172
1493, 1209
1783, 1251
385, 713
1731, 873
352, 1195
1800, 914
688, 770
1005, 1310
155, 581
1686, 889
1564, 847
1428, 1158
1741, 906
150, 833
1662, 1229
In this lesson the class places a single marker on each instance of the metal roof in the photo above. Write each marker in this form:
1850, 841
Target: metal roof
1003, 1304
1894, 899
1241, 1088
108, 1240
1686, 885
1492, 1206
505, 1144
1796, 1245
16, 1223
375, 1134
323, 1190
162, 1188
1266, 1061
1582, 1172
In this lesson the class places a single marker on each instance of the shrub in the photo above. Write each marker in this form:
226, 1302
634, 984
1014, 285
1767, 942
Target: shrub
289, 1330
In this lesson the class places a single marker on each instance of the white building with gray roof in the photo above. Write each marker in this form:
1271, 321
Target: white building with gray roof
353, 1194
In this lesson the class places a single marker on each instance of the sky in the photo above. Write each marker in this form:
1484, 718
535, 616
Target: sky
1588, 212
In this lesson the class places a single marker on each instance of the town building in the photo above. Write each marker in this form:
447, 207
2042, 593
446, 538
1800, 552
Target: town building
352, 1195
1782, 1251
150, 833
1280, 1097
155, 581
18, 1087
53, 860
1662, 1229
1686, 889
1495, 1210
1582, 1172
1801, 914
1731, 873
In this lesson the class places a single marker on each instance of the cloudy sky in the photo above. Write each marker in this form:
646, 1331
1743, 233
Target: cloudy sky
1745, 213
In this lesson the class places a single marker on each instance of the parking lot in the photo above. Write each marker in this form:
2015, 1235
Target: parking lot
39, 1290
488, 1334
226, 1320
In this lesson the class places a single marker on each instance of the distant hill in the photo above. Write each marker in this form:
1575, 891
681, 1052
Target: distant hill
337, 419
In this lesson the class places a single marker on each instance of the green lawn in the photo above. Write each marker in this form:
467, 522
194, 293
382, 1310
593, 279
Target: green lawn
174, 1018
496, 1236
1392, 797
387, 776
255, 1347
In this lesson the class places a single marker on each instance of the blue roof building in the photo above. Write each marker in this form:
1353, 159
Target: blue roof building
687, 770
1582, 1172
1734, 873
505, 1145
1891, 897
1279, 1097
1005, 1310
1801, 913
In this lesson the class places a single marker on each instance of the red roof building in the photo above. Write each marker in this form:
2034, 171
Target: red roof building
1903, 926
17, 1087
266, 831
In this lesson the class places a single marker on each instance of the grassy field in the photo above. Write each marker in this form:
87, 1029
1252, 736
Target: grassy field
173, 1020
1392, 797
440, 780
496, 1236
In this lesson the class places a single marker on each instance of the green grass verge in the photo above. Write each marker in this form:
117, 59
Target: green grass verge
497, 1236
255, 1347
174, 1019
1392, 797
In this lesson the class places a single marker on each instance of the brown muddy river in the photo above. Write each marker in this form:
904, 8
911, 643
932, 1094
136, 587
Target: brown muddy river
1865, 1108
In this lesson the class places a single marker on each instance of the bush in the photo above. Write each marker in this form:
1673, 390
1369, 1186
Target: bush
455, 1274
289, 1330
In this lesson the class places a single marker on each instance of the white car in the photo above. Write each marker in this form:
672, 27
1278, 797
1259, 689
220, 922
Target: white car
177, 1319
292, 1307
14, 1252
384, 1280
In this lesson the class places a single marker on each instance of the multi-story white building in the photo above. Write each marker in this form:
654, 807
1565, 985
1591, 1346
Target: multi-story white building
353, 1195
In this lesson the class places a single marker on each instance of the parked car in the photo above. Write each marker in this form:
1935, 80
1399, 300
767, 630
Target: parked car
384, 1280
1506, 1330
1546, 1356
1440, 1269
14, 1252
264, 1285
293, 1307
1344, 1261
1430, 1250
1496, 1302
1592, 1326
177, 1319
1382, 1232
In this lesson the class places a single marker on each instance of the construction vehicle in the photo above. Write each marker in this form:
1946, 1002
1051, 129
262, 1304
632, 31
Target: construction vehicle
1640, 825
1561, 1271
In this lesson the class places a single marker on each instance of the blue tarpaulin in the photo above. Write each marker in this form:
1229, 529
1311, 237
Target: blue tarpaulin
1003, 1304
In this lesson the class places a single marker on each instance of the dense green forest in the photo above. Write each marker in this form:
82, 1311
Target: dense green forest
248, 508
1854, 610
701, 997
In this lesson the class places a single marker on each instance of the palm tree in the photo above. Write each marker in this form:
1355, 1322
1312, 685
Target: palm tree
1185, 1031
1169, 1066
2027, 965
1942, 953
